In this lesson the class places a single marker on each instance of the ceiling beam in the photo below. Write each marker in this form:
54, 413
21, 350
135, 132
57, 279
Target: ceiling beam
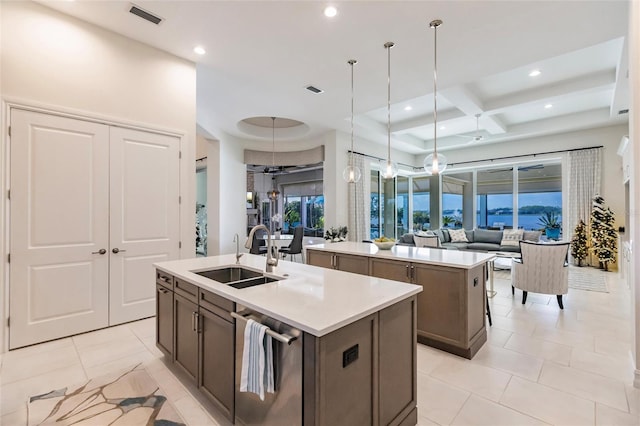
585, 84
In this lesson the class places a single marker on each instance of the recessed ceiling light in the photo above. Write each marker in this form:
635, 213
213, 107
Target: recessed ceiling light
199, 50
547, 106
408, 108
442, 127
534, 73
330, 11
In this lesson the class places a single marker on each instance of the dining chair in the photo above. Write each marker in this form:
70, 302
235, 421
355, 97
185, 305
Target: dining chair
296, 245
258, 244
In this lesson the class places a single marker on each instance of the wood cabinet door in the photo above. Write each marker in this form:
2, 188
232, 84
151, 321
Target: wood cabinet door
391, 270
442, 304
164, 319
320, 258
398, 362
217, 361
186, 335
349, 263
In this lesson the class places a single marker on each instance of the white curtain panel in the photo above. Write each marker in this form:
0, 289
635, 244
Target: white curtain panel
359, 202
584, 184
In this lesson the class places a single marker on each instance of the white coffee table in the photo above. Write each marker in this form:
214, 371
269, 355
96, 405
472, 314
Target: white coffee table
503, 259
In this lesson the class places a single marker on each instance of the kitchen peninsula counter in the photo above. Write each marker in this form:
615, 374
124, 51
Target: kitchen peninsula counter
451, 308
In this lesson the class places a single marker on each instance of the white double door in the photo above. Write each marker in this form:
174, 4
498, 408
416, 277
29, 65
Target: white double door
93, 206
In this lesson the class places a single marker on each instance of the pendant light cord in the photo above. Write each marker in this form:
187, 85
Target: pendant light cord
273, 142
388, 45
351, 62
435, 25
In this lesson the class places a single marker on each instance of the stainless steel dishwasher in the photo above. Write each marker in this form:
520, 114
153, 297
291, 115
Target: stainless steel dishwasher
284, 407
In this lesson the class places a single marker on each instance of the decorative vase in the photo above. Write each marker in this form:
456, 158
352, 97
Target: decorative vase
552, 233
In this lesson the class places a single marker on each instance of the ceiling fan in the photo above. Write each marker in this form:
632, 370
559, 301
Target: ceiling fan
477, 137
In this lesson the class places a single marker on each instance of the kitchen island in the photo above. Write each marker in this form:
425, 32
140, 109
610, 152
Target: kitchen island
451, 309
335, 333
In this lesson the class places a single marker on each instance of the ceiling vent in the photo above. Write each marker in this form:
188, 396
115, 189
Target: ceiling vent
145, 15
623, 111
314, 89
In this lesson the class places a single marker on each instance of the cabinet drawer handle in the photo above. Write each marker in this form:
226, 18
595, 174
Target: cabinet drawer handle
165, 279
163, 290
193, 321
413, 272
407, 271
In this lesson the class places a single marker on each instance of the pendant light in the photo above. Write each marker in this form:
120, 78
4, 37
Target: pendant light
390, 169
435, 163
351, 173
274, 193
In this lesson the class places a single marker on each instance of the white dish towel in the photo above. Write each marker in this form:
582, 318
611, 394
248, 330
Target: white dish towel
257, 360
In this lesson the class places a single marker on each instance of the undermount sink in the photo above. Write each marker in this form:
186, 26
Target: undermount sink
230, 274
252, 282
237, 276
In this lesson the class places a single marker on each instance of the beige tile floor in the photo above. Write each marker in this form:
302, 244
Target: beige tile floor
540, 365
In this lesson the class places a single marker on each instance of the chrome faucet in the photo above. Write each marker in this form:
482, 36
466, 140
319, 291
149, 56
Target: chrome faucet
271, 261
236, 239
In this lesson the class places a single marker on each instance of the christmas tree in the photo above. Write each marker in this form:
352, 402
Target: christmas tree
604, 237
579, 248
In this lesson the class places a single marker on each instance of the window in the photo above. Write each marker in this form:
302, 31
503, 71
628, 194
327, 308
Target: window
402, 205
303, 204
452, 206
375, 204
421, 203
539, 191
495, 198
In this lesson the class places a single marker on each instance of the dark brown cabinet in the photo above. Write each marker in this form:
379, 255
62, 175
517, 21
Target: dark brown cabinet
164, 313
217, 360
186, 335
195, 329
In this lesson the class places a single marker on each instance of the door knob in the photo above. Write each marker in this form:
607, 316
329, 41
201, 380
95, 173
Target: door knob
101, 251
117, 250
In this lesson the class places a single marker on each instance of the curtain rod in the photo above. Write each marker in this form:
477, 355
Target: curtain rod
382, 159
489, 159
527, 155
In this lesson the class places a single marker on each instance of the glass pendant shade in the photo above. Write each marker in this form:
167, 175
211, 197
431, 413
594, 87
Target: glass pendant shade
351, 174
389, 170
273, 194
434, 164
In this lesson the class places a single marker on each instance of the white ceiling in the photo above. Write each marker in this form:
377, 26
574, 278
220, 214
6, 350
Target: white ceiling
262, 54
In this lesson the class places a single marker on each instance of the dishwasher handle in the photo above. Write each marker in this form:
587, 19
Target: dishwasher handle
284, 338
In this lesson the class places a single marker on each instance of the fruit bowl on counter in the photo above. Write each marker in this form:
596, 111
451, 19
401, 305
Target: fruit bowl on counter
384, 243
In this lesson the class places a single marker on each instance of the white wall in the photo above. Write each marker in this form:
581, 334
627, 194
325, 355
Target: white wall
634, 184
53, 61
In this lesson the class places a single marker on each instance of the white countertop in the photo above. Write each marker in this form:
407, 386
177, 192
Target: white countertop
462, 259
314, 300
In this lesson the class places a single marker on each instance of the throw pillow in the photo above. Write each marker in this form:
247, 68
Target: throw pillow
532, 236
458, 236
429, 241
511, 237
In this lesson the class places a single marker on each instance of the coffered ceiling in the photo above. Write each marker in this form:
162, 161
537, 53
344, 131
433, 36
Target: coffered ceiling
261, 55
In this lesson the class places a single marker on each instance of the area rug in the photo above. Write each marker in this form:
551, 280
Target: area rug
130, 398
586, 278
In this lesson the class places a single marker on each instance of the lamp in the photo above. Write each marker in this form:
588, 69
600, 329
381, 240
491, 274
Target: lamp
351, 173
390, 169
435, 163
274, 193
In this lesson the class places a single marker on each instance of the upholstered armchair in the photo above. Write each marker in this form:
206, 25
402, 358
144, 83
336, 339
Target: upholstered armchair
543, 268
